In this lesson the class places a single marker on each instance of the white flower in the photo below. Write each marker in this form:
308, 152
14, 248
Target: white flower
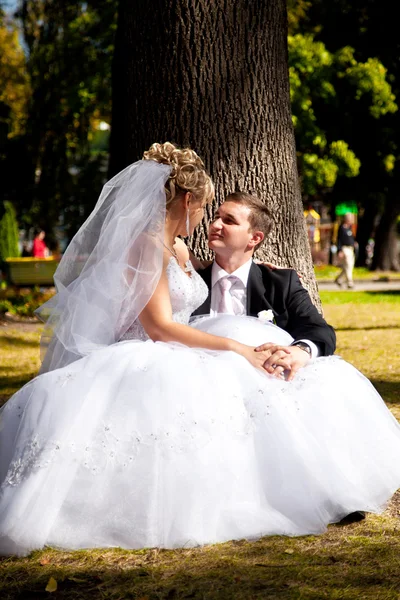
266, 316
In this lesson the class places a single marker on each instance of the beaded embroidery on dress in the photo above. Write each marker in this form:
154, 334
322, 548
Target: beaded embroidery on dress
144, 444
187, 292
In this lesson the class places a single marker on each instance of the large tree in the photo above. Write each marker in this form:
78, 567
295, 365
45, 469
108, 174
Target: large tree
214, 75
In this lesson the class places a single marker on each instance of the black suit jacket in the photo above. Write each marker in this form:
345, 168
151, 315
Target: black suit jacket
281, 291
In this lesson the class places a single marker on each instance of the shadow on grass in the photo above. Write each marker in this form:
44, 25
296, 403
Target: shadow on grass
10, 384
389, 390
363, 566
19, 341
386, 293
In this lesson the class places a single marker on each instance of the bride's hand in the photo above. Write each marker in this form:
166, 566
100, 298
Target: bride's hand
292, 358
259, 358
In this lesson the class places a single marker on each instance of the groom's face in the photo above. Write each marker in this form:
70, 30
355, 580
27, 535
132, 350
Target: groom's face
230, 231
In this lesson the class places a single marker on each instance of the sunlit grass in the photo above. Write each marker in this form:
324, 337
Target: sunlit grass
357, 298
368, 336
359, 561
19, 358
329, 272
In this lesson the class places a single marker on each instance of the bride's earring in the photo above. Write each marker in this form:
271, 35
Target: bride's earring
187, 222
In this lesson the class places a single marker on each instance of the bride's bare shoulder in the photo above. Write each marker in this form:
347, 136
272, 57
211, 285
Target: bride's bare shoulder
182, 249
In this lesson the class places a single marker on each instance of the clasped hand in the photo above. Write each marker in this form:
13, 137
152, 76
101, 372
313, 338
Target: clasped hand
282, 361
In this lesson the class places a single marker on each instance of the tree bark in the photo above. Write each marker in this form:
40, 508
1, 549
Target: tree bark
386, 254
214, 76
365, 231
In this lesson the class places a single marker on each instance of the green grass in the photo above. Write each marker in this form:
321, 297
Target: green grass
329, 272
350, 562
359, 561
19, 358
368, 336
357, 298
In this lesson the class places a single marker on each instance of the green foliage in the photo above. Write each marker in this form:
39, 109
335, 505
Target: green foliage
368, 78
389, 162
345, 159
297, 13
24, 302
316, 85
68, 101
14, 80
8, 233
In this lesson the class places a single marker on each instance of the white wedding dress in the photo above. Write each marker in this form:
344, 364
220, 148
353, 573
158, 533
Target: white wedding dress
146, 444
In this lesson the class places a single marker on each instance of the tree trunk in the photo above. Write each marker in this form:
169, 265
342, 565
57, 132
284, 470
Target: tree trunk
214, 76
386, 254
364, 232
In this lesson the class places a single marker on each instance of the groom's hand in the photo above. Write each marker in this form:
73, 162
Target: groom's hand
283, 359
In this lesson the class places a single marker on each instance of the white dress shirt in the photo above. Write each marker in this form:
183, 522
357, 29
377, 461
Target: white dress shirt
238, 292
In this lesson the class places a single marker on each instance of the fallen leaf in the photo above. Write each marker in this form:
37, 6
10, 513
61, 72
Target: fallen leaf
289, 551
51, 585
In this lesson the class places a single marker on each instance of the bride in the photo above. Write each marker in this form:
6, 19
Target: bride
143, 431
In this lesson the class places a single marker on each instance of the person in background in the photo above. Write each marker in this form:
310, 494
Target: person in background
346, 252
39, 248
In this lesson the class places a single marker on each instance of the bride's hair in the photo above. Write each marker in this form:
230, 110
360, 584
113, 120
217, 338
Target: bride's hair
188, 173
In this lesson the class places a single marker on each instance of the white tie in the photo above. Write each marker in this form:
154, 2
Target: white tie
225, 303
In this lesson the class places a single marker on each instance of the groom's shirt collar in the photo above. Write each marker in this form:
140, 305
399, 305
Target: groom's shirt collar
241, 273
238, 291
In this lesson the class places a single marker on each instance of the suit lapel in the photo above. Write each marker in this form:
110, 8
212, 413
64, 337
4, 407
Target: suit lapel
205, 308
256, 292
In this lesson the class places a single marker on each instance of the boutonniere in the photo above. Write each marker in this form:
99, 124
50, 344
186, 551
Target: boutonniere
266, 316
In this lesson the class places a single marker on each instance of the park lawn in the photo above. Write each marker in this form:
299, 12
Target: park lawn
358, 561
19, 357
368, 336
329, 272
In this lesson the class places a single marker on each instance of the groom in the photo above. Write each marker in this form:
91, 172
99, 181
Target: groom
239, 286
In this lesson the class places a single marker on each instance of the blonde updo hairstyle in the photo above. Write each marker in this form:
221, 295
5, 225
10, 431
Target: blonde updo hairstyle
188, 173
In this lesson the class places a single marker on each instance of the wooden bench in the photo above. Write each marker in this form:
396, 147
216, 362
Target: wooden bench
31, 271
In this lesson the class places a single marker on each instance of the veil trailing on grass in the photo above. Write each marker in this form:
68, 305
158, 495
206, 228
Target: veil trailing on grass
110, 269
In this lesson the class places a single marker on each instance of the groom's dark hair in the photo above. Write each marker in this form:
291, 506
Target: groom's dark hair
259, 218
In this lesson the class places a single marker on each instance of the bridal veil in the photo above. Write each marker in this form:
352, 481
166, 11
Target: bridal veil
110, 269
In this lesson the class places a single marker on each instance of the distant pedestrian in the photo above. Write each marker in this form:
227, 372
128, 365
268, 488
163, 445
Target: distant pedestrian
346, 246
39, 248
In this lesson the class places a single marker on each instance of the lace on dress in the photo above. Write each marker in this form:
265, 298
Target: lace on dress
187, 292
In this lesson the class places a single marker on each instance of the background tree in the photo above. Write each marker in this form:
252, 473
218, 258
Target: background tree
8, 232
322, 85
14, 88
370, 30
14, 97
69, 47
214, 76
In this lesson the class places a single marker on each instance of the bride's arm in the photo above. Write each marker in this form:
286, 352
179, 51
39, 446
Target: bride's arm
157, 321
